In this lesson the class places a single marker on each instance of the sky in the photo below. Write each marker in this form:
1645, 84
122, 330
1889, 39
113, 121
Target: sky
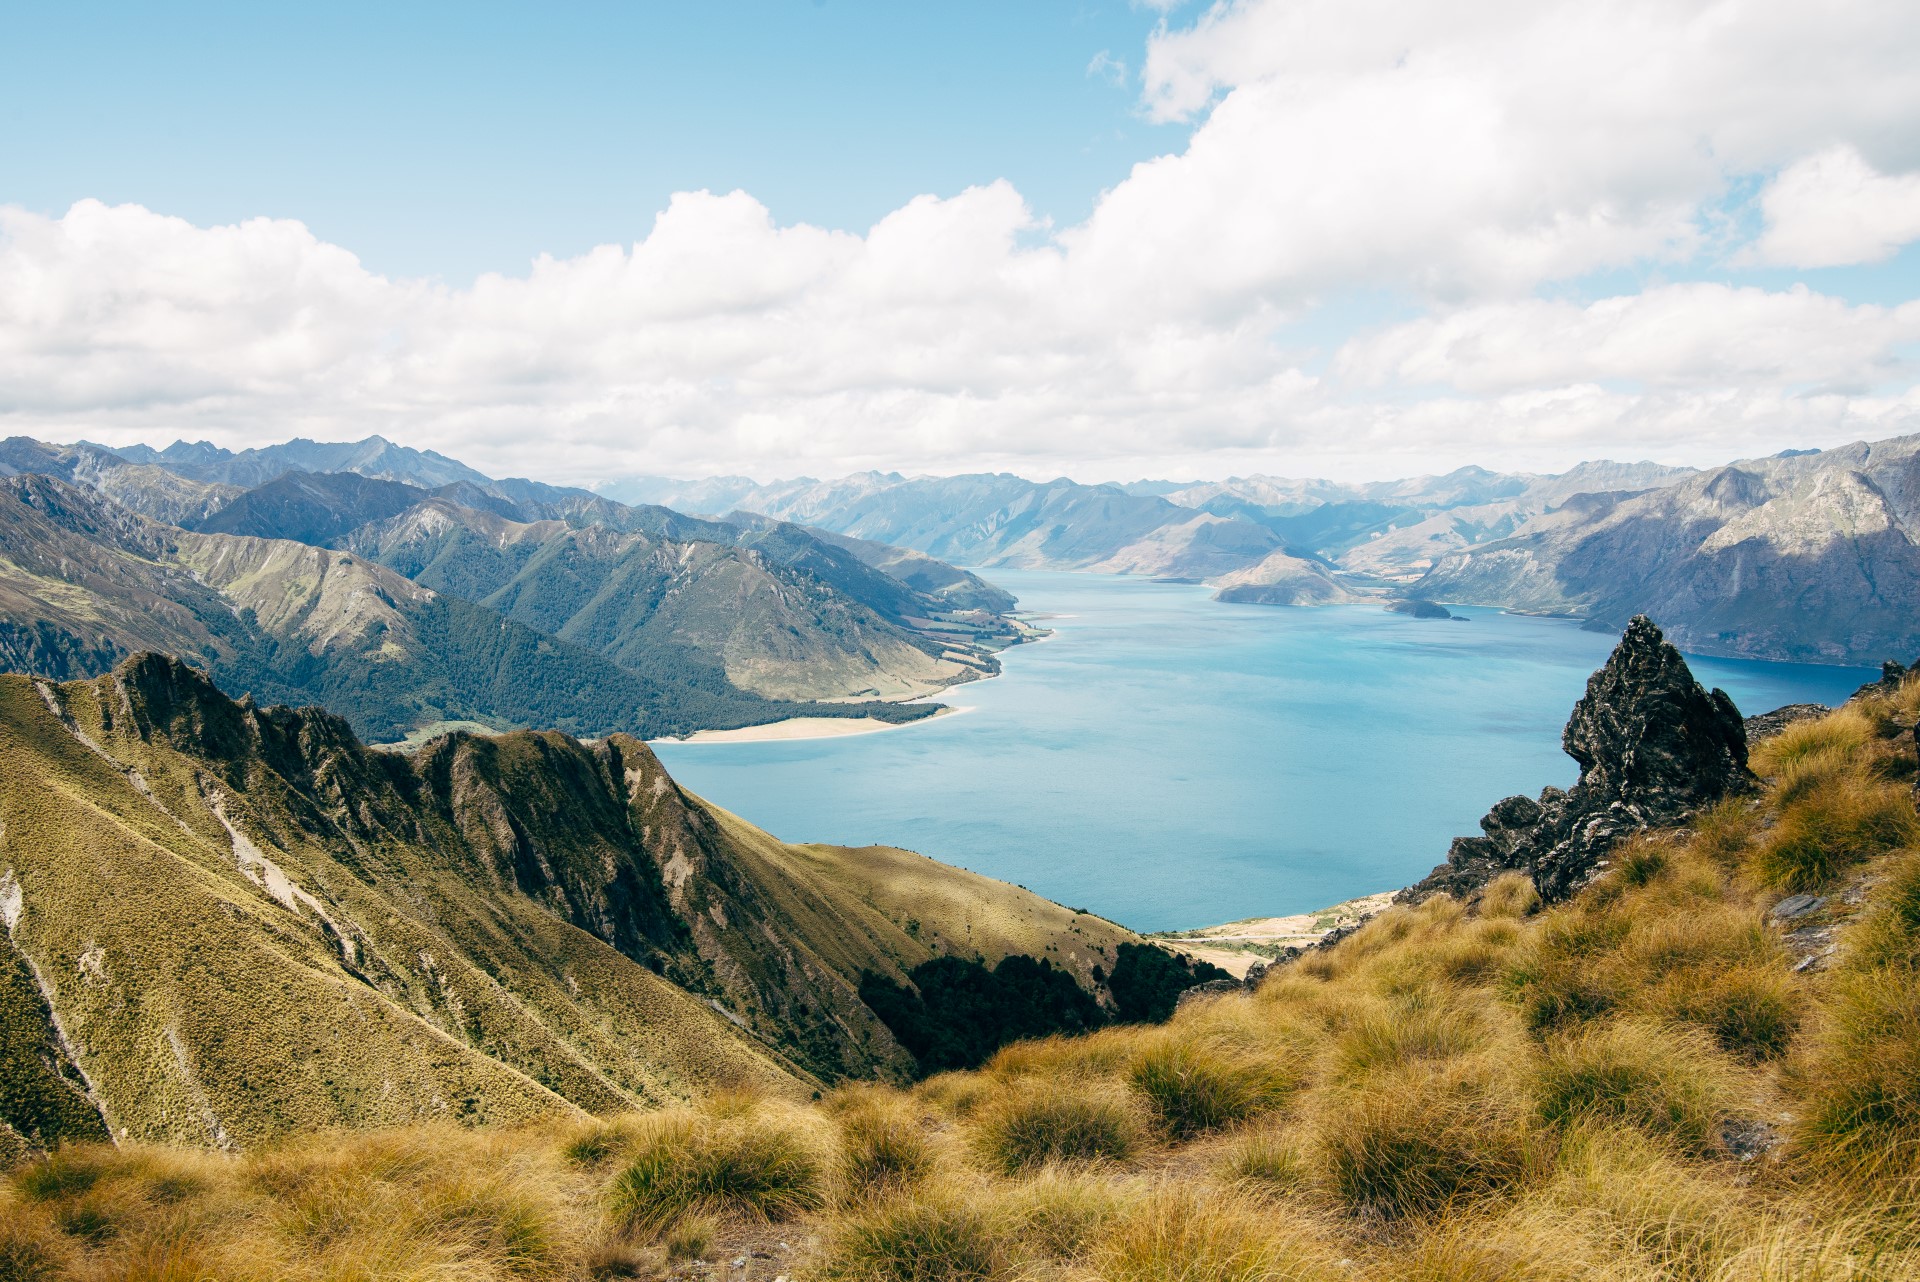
1109, 240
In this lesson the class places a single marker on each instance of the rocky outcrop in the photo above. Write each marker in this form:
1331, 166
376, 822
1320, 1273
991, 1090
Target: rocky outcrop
1653, 746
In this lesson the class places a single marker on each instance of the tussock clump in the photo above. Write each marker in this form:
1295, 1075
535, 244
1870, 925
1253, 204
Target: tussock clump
1387, 1035
1808, 753
1428, 1138
1838, 824
31, 1247
1032, 1124
883, 1147
691, 1237
943, 1239
759, 1163
1554, 976
1194, 1085
1751, 1009
1094, 1055
1861, 1076
1265, 1163
956, 1094
1180, 1235
1663, 1081
1511, 896
1636, 1201
1059, 1213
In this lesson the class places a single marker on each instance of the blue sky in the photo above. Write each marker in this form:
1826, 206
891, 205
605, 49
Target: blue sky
436, 139
1353, 238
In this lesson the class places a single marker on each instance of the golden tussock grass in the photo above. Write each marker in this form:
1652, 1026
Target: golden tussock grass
1637, 1084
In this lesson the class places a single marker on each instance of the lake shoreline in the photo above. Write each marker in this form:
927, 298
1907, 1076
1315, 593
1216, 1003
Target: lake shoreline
796, 728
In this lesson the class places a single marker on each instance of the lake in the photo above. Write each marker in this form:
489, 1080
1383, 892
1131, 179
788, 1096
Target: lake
1169, 761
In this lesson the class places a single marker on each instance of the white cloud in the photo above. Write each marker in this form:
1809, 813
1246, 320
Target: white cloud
1676, 336
1108, 68
1832, 209
1459, 156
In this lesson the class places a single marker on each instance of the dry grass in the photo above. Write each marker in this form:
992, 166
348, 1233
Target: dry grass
1034, 1123
1526, 1092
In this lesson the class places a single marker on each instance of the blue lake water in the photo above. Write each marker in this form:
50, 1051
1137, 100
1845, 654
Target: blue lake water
1167, 761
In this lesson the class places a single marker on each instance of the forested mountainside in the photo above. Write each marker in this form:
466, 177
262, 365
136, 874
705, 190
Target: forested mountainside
85, 582
235, 923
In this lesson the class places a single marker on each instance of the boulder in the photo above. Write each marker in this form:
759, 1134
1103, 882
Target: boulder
1653, 747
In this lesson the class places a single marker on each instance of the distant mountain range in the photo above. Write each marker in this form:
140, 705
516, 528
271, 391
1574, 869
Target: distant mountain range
503, 603
1809, 555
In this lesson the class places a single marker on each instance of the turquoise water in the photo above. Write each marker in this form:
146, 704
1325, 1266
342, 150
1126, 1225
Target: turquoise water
1169, 761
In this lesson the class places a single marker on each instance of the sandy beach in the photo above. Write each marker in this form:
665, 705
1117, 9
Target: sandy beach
1236, 946
808, 728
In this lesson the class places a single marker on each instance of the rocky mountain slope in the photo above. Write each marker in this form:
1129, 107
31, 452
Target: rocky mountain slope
84, 581
718, 621
1221, 531
775, 625
224, 923
1810, 557
994, 520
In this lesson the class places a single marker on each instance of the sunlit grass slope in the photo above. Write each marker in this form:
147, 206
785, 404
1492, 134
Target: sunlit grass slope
1664, 1078
225, 925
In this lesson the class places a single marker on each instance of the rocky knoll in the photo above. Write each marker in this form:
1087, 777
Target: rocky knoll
1652, 745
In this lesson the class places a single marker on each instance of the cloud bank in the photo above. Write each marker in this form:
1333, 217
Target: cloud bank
1494, 171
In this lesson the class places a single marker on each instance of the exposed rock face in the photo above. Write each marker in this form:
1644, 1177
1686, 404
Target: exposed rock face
1813, 558
1652, 745
1768, 724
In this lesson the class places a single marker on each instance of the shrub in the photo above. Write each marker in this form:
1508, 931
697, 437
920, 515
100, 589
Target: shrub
1664, 1081
923, 1240
1193, 1086
1420, 1140
684, 1162
1032, 1124
1838, 824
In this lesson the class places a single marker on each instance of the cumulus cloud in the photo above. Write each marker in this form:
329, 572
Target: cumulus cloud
1464, 158
1700, 335
1832, 209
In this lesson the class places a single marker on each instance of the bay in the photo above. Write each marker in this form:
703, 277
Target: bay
1169, 761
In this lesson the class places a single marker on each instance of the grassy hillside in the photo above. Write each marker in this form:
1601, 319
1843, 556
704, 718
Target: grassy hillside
227, 924
1681, 1073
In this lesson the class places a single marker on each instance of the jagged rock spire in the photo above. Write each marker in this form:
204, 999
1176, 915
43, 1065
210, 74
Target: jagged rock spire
1652, 745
